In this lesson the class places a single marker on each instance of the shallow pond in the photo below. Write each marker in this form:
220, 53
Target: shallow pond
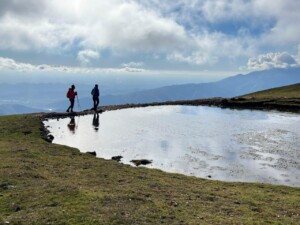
207, 142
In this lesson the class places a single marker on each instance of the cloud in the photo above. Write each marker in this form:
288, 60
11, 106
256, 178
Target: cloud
8, 64
86, 56
148, 28
133, 64
132, 69
265, 25
193, 32
272, 60
197, 58
116, 24
298, 55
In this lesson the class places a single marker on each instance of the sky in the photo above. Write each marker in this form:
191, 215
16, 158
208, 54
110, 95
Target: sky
148, 37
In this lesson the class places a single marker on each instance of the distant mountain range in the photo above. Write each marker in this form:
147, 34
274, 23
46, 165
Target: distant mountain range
8, 109
228, 87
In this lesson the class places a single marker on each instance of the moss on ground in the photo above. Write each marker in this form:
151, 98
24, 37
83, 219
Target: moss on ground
44, 183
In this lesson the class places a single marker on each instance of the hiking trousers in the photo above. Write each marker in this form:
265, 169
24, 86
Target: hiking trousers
96, 102
71, 105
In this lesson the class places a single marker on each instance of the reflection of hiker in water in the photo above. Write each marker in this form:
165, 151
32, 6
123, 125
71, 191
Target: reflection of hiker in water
95, 93
72, 124
71, 95
96, 121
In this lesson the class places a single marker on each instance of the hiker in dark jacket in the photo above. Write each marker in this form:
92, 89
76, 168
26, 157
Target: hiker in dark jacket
95, 93
71, 95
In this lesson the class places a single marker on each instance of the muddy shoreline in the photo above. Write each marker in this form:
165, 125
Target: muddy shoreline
284, 105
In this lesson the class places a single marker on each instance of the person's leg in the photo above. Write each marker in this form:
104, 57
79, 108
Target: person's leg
72, 104
97, 102
69, 106
94, 100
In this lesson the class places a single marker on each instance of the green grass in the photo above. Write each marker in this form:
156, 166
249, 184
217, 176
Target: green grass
291, 91
44, 183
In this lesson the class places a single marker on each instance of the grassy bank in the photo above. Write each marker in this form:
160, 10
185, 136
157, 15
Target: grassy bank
44, 183
286, 92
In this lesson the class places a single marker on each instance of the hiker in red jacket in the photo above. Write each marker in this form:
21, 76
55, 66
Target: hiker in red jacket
71, 95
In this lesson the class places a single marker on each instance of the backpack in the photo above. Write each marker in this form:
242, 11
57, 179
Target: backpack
68, 94
93, 92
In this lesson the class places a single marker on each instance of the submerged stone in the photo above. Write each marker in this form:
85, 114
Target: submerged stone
117, 158
139, 162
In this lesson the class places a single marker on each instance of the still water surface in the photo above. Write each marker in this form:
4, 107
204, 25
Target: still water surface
208, 142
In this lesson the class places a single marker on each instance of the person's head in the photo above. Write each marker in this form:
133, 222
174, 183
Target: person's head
73, 86
96, 85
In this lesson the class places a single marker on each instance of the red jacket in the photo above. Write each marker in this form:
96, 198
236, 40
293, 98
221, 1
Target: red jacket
71, 94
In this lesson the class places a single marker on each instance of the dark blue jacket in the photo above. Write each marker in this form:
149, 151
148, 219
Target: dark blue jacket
95, 92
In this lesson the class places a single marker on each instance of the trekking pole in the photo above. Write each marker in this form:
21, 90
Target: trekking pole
78, 103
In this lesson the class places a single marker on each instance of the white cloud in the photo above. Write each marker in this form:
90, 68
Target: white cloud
298, 55
133, 64
86, 56
277, 21
272, 60
118, 25
7, 64
132, 69
10, 64
197, 58
181, 30
115, 24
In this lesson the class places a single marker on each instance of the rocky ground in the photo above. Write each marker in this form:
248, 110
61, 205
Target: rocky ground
280, 104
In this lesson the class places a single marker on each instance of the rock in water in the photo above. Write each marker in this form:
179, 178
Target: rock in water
50, 138
139, 162
117, 158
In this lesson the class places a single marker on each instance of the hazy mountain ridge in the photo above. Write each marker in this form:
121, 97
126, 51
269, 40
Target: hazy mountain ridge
8, 109
228, 87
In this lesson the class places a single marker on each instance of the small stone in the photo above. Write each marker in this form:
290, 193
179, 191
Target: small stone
50, 138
